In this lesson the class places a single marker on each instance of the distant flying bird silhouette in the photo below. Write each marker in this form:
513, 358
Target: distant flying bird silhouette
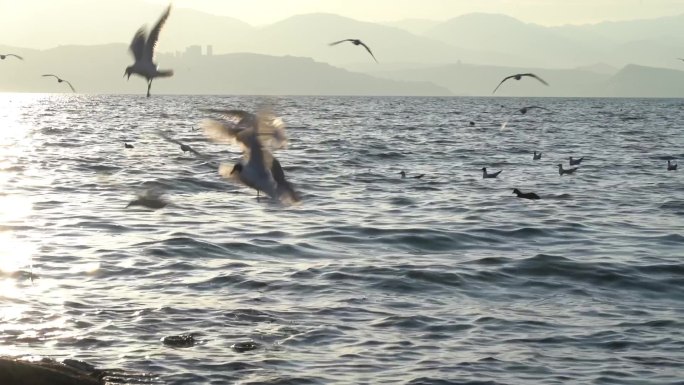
4, 55
60, 80
142, 48
518, 77
183, 147
356, 42
525, 109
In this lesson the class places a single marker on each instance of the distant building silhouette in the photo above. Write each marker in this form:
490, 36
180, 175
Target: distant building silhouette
193, 51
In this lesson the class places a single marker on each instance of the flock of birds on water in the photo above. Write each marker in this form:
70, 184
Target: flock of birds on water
261, 133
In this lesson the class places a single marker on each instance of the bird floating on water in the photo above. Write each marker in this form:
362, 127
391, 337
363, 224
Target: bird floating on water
142, 48
403, 175
575, 162
259, 135
529, 195
518, 77
536, 156
472, 124
562, 171
486, 175
525, 109
356, 42
671, 166
60, 80
126, 145
6, 55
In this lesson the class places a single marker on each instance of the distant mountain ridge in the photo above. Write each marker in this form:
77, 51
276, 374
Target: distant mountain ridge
99, 68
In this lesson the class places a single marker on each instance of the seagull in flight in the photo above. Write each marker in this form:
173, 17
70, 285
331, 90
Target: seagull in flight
525, 109
356, 42
184, 147
259, 135
142, 47
5, 55
518, 77
60, 80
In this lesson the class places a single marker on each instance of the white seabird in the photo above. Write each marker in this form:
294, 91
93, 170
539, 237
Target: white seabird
259, 134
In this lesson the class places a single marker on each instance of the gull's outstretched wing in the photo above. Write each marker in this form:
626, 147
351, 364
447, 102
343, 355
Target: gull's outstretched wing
154, 34
502, 82
70, 86
137, 46
341, 41
51, 75
369, 51
536, 77
16, 56
244, 127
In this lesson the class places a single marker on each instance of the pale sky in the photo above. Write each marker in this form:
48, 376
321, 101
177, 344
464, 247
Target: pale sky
545, 12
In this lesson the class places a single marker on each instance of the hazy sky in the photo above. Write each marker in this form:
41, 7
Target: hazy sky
258, 12
545, 12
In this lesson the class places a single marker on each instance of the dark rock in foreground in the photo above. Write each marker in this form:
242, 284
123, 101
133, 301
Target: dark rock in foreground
45, 372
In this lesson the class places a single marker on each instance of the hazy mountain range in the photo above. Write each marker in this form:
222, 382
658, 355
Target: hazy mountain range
465, 55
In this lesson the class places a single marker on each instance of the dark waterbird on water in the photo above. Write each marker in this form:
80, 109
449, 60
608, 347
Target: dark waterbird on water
486, 175
403, 175
126, 145
60, 80
575, 162
671, 166
562, 171
536, 156
529, 195
472, 124
525, 109
356, 42
518, 77
259, 134
6, 55
142, 48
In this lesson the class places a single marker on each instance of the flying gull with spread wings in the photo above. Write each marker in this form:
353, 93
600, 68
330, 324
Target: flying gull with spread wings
520, 76
259, 135
356, 42
60, 80
142, 47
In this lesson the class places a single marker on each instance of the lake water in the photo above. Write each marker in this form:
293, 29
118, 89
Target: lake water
448, 279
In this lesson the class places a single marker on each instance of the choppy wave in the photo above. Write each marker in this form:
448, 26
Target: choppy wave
372, 279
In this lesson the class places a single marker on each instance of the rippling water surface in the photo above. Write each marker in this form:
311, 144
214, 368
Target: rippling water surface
372, 279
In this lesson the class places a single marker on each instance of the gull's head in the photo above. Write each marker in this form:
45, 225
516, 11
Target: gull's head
236, 169
129, 71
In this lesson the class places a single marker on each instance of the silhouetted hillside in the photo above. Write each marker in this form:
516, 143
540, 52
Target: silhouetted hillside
99, 69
